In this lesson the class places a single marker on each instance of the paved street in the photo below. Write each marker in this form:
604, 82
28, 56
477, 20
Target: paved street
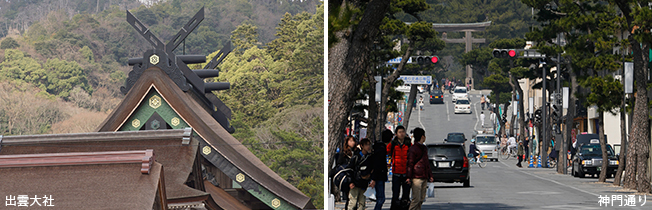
502, 185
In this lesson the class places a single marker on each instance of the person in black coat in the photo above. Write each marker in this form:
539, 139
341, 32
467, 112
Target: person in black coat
361, 164
379, 162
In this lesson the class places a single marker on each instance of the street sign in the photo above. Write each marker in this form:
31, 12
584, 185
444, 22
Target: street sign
398, 60
416, 80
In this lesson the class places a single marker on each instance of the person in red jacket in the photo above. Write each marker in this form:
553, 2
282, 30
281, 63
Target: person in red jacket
418, 169
398, 150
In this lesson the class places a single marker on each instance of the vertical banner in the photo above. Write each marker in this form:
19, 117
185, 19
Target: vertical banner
379, 87
565, 92
531, 105
629, 77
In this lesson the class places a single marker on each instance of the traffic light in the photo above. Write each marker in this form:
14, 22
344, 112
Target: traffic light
425, 59
504, 53
537, 116
556, 112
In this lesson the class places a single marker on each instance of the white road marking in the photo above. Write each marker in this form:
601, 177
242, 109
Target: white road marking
424, 127
448, 112
568, 207
476, 116
539, 192
553, 181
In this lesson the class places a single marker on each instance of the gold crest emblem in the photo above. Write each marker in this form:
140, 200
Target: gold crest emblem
276, 203
153, 59
135, 123
155, 101
206, 150
175, 121
240, 177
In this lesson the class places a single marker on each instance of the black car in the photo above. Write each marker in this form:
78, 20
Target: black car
588, 160
449, 163
436, 96
455, 138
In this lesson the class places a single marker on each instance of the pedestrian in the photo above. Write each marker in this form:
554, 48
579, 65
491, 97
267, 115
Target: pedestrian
492, 118
418, 170
398, 149
343, 158
421, 103
482, 119
379, 176
526, 145
482, 101
360, 163
414, 104
488, 102
520, 153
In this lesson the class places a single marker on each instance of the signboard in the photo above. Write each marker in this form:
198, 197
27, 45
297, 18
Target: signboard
416, 80
565, 97
398, 60
629, 77
379, 87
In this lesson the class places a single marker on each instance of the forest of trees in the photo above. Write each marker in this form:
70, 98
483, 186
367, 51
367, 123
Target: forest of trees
62, 63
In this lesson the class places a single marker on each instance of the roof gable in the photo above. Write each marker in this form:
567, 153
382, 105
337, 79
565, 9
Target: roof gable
216, 144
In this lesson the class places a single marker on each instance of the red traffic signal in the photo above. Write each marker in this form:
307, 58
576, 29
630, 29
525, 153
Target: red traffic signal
504, 53
425, 59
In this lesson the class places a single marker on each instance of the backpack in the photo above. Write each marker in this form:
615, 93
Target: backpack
342, 178
358, 168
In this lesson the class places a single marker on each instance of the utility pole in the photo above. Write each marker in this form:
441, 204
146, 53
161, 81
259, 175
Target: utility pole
544, 107
561, 146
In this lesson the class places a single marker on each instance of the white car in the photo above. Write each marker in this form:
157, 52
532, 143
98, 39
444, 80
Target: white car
463, 105
460, 92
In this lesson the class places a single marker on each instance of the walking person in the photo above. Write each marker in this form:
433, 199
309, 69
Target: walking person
488, 102
482, 119
398, 149
418, 170
526, 147
360, 163
342, 158
492, 118
421, 103
482, 101
520, 153
379, 176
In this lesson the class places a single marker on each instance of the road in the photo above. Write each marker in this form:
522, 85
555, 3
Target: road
502, 185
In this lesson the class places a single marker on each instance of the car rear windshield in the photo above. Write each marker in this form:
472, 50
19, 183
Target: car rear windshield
455, 138
462, 102
594, 149
461, 90
448, 151
436, 92
485, 140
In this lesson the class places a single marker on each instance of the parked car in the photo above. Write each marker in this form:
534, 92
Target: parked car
463, 105
436, 96
487, 143
588, 160
460, 92
457, 137
449, 163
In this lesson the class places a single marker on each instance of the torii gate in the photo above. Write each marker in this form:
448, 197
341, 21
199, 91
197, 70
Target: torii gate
467, 28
